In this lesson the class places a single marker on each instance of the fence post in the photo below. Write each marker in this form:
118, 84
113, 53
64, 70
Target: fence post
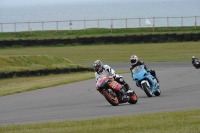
28, 26
139, 23
42, 26
153, 27
195, 23
153, 23
29, 29
181, 21
1, 27
111, 25
98, 24
167, 22
84, 25
126, 23
70, 26
56, 26
15, 26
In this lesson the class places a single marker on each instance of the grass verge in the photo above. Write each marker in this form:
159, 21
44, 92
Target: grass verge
168, 122
149, 52
34, 62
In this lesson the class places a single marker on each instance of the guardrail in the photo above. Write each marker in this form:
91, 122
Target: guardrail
102, 23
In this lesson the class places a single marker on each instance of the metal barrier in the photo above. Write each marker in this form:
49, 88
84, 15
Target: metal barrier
102, 23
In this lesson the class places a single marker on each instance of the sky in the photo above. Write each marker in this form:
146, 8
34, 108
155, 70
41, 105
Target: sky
36, 2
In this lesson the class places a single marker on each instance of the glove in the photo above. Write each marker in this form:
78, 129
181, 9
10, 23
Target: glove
110, 77
150, 70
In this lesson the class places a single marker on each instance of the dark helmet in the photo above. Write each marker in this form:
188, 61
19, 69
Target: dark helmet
133, 59
98, 66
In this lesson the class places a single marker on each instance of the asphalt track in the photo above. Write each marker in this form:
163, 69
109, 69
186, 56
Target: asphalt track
179, 83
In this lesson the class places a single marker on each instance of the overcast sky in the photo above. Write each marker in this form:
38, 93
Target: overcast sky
33, 2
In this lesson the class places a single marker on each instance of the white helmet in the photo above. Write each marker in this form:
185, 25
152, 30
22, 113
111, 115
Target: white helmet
98, 66
134, 59
193, 57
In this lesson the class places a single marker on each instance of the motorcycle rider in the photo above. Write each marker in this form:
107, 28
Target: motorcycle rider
135, 62
194, 59
100, 68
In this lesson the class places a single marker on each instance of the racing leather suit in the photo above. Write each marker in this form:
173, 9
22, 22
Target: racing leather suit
111, 72
194, 60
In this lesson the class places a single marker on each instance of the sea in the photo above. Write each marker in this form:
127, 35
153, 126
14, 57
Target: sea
64, 15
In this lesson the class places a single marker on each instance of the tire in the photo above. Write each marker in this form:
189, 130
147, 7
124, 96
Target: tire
133, 98
157, 93
146, 89
113, 100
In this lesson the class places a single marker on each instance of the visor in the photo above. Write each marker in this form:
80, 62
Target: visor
96, 68
133, 61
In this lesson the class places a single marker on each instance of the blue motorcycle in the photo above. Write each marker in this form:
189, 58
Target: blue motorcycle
145, 81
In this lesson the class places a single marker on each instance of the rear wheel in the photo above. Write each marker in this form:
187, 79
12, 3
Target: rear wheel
133, 98
146, 89
112, 99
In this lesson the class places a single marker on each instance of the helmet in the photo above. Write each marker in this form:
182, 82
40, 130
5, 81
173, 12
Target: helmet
134, 59
98, 66
193, 57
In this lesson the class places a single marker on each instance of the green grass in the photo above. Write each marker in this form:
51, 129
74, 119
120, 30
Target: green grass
160, 52
34, 62
93, 32
30, 63
18, 85
168, 122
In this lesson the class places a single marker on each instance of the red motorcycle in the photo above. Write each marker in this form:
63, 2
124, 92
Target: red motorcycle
111, 90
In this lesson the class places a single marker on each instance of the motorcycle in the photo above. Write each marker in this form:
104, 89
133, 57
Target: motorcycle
145, 81
196, 63
110, 89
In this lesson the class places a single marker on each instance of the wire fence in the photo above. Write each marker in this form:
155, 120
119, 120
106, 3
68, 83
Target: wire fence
101, 23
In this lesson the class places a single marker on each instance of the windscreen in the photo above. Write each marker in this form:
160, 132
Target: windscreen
137, 69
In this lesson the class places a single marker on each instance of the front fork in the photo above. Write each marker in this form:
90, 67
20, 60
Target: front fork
145, 81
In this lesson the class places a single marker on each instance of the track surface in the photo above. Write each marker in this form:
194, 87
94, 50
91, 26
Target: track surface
179, 83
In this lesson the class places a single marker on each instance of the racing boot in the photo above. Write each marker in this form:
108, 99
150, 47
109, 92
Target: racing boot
123, 97
137, 84
153, 72
158, 85
122, 82
126, 86
129, 90
157, 81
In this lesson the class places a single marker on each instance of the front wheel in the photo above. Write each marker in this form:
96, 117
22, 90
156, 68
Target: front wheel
146, 89
157, 93
113, 100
